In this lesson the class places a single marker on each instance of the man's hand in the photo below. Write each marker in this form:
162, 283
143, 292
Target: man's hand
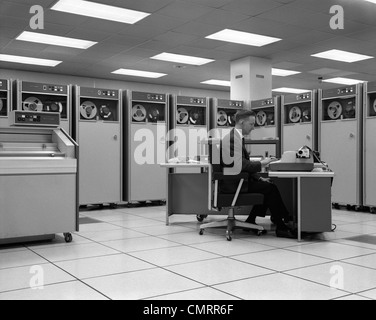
265, 180
266, 161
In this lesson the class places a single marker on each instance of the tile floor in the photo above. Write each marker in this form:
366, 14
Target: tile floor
129, 253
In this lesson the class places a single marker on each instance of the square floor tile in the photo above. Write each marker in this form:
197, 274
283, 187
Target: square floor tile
137, 223
353, 297
75, 252
19, 258
162, 229
108, 235
31, 276
344, 276
368, 261
280, 260
279, 286
101, 266
231, 248
197, 294
332, 250
188, 238
102, 226
141, 284
360, 228
371, 294
73, 290
174, 255
139, 244
217, 271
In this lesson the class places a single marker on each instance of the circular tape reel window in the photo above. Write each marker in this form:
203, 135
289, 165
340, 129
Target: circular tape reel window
261, 118
138, 113
194, 117
1, 104
105, 112
32, 104
374, 105
88, 110
56, 107
334, 110
182, 116
295, 114
222, 118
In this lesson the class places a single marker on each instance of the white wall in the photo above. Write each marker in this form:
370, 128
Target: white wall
108, 84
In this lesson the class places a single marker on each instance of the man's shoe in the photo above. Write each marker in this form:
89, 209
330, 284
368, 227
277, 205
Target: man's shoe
285, 233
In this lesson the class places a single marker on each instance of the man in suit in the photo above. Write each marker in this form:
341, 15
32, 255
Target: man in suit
235, 159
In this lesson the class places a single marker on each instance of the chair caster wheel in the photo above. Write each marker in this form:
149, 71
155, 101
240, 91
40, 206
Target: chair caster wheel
229, 238
201, 232
201, 217
260, 233
68, 237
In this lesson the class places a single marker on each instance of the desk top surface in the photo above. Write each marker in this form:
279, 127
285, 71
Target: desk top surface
303, 174
185, 165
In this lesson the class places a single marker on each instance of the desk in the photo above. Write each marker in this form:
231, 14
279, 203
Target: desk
314, 205
187, 193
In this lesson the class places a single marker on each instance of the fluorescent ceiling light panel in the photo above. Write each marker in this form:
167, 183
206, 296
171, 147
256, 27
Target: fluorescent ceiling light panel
139, 73
290, 90
283, 73
345, 81
100, 11
340, 55
28, 60
250, 39
373, 1
55, 40
179, 58
217, 82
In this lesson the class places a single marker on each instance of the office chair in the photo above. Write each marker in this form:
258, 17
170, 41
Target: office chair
223, 197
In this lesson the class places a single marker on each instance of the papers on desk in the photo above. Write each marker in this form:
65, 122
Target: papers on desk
183, 160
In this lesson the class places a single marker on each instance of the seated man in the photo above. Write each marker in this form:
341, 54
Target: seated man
235, 159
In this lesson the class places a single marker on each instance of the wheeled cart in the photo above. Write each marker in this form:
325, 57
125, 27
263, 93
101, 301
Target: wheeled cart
38, 183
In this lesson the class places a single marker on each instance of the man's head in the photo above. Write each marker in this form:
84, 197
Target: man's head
245, 121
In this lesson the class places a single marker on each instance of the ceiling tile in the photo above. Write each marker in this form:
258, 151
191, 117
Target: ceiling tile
197, 29
184, 11
251, 8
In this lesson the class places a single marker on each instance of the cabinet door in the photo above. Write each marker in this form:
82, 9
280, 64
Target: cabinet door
100, 162
340, 149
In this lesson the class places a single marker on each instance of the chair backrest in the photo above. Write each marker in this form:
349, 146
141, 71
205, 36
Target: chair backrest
215, 155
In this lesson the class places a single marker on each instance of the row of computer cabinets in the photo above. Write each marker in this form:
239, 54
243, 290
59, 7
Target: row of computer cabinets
124, 135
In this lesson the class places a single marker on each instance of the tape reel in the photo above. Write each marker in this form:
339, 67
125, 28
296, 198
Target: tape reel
349, 111
270, 119
138, 113
88, 110
32, 104
153, 114
105, 112
55, 107
194, 117
222, 118
307, 115
182, 115
295, 114
374, 105
334, 110
1, 104
261, 118
231, 120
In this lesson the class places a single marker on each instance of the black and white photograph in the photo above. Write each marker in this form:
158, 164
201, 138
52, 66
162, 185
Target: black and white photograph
188, 155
